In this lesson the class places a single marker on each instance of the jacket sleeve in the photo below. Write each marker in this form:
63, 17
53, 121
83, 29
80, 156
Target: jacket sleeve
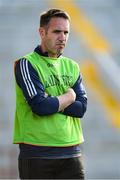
28, 80
78, 108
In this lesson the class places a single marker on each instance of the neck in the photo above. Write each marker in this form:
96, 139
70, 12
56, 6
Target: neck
52, 55
49, 53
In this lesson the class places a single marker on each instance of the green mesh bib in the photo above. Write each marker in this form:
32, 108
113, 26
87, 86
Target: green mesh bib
57, 75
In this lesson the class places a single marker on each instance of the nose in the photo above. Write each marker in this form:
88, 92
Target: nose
62, 37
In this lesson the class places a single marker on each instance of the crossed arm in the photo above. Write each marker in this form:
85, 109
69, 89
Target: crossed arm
72, 103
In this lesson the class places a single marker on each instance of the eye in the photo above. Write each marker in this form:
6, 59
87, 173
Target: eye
56, 31
65, 32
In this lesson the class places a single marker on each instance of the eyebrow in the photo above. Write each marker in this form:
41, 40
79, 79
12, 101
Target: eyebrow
56, 30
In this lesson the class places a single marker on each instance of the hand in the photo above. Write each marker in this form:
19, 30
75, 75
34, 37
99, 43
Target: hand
66, 99
71, 93
46, 95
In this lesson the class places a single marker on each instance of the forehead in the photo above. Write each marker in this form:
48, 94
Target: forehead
59, 23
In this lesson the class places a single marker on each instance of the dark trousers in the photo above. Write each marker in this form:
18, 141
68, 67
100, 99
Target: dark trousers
70, 168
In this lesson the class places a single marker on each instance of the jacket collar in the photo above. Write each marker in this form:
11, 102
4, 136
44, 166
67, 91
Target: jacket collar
38, 50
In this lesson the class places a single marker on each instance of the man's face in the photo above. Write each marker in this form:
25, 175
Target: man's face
55, 36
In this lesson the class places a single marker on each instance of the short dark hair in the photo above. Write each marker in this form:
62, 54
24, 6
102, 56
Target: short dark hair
46, 16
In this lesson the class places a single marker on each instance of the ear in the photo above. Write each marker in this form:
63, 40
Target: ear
42, 32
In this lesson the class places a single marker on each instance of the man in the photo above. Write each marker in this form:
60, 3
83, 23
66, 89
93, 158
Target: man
50, 100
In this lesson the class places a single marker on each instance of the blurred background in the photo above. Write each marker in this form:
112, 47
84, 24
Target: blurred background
94, 43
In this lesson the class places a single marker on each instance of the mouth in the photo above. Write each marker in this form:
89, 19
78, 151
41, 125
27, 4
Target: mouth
61, 45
